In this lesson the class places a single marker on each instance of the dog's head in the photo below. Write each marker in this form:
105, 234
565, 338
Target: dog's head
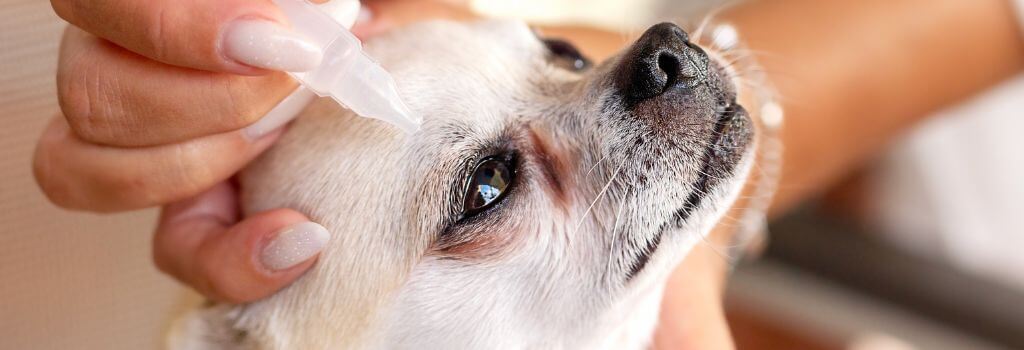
542, 203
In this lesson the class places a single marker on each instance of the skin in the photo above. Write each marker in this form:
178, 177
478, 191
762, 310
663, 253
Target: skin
879, 68
902, 74
125, 140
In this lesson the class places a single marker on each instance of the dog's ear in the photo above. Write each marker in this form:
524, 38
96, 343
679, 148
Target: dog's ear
210, 327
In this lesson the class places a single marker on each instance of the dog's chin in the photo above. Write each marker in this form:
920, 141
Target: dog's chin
722, 175
729, 146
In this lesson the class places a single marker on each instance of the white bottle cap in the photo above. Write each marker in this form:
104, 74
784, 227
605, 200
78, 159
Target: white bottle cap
346, 73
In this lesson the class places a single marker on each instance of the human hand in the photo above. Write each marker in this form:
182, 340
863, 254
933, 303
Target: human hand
161, 106
692, 314
153, 104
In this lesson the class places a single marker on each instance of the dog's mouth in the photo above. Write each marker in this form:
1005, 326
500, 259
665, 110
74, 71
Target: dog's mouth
732, 134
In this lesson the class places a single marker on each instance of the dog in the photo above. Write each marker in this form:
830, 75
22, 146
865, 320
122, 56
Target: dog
542, 204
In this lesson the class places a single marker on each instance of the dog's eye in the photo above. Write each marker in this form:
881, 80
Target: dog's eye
566, 55
490, 182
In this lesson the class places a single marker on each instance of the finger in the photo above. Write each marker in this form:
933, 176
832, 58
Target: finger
199, 243
238, 36
79, 175
114, 97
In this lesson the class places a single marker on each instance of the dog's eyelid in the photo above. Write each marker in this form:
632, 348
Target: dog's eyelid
502, 146
566, 54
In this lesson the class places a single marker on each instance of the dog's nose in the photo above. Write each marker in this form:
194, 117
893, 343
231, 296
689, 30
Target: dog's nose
662, 59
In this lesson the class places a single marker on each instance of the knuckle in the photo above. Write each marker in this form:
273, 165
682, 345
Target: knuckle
238, 108
66, 186
89, 102
136, 189
114, 187
182, 174
168, 178
156, 33
64, 9
53, 188
57, 194
193, 173
227, 289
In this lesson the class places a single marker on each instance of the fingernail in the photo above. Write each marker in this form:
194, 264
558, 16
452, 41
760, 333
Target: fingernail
294, 244
265, 44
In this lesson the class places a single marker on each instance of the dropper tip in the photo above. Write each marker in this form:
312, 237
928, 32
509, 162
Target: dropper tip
409, 127
405, 119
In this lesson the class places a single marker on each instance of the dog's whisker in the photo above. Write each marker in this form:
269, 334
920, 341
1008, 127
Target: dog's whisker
615, 236
599, 195
587, 175
724, 255
698, 34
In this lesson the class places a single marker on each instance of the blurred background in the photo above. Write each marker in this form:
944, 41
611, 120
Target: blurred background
911, 252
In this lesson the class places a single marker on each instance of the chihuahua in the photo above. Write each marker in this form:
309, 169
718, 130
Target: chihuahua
542, 204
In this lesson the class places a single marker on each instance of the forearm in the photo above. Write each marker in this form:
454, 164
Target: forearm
853, 75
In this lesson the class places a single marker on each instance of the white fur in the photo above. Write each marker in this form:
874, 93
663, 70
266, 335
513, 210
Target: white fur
383, 195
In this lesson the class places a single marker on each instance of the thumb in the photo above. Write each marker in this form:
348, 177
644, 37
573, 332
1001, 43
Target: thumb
199, 242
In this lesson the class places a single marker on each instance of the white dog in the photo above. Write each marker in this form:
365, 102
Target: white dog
541, 205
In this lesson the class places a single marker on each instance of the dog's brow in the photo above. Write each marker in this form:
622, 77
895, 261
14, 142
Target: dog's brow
550, 164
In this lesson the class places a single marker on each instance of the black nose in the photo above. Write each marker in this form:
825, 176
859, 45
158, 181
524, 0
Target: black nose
662, 59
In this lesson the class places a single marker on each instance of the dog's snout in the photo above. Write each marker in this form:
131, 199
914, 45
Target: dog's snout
662, 59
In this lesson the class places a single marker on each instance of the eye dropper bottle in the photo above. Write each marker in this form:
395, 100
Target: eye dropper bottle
346, 73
